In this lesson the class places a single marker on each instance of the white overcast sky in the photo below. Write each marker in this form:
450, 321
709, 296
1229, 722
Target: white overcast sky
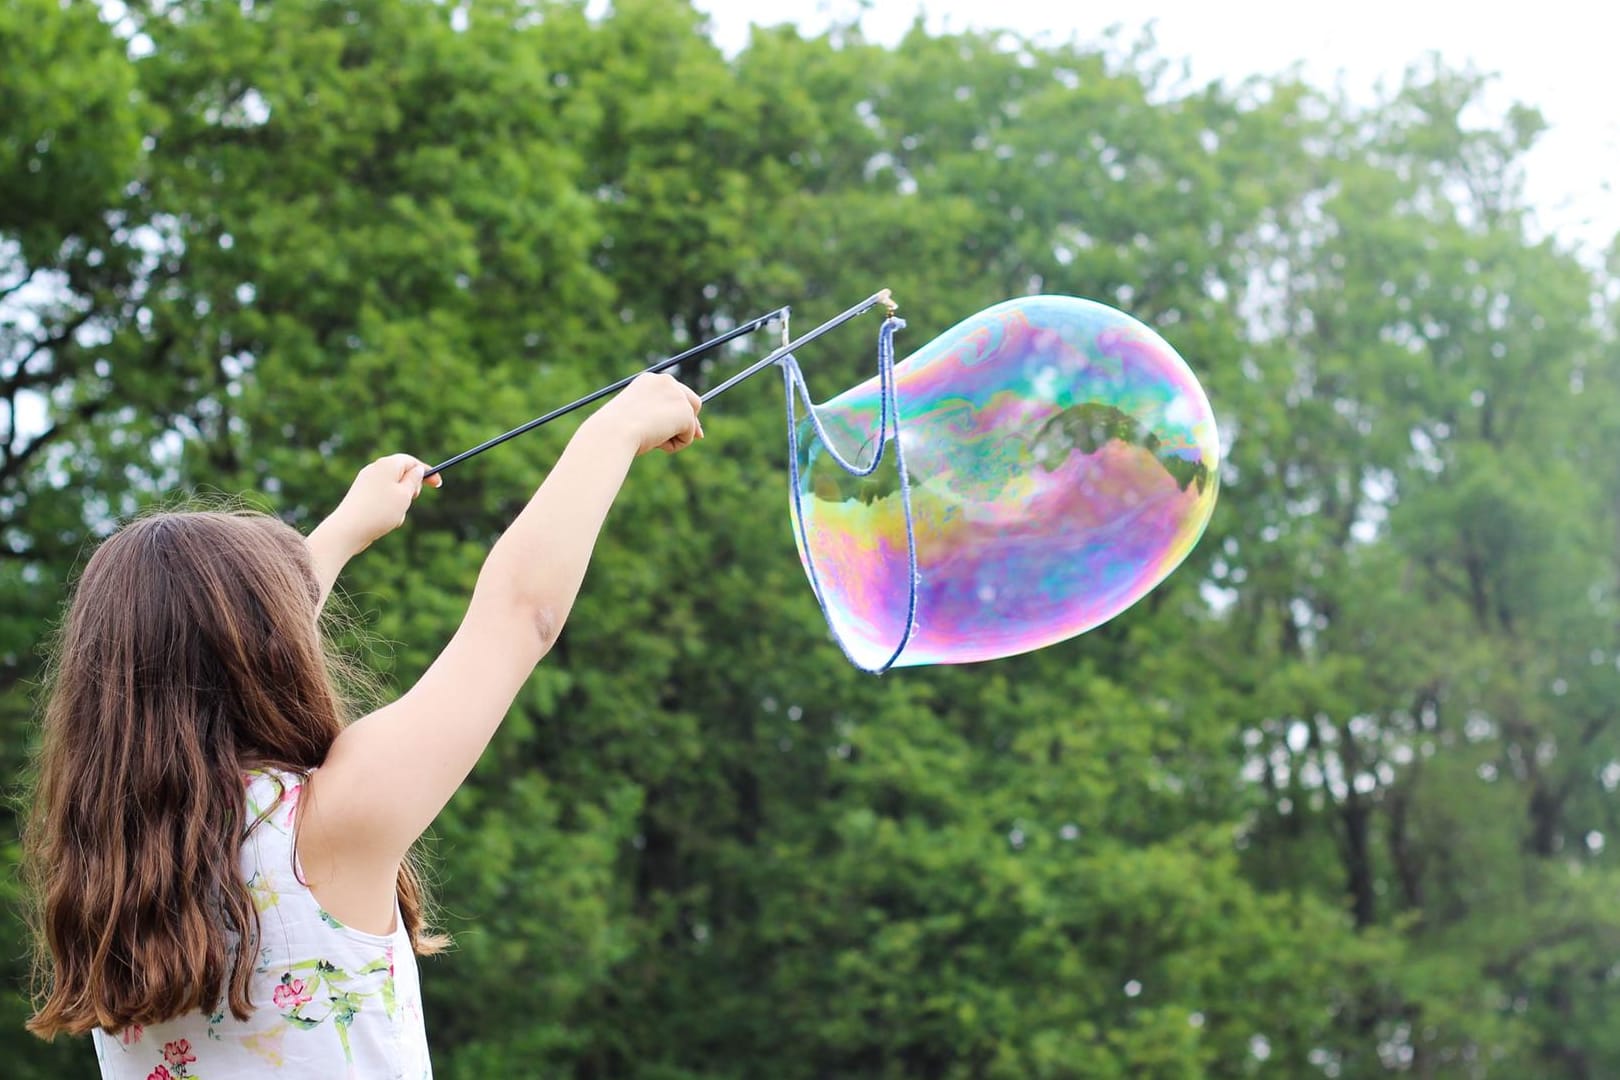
1557, 55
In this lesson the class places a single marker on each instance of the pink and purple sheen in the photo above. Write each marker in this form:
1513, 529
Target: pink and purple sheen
1063, 461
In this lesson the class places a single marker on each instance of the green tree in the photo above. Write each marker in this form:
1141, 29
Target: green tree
70, 133
1423, 582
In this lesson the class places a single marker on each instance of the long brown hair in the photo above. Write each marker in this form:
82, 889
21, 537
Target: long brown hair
190, 654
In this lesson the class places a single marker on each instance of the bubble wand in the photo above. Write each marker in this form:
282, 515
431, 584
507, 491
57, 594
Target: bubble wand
1060, 460
763, 321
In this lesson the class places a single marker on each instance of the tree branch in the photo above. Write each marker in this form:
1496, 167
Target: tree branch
11, 290
11, 464
22, 379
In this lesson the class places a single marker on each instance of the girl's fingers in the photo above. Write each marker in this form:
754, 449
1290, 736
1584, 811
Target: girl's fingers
680, 442
408, 469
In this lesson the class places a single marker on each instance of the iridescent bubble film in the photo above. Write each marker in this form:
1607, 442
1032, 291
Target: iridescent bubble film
1062, 461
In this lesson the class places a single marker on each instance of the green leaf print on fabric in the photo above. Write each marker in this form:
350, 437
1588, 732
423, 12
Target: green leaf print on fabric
314, 992
262, 892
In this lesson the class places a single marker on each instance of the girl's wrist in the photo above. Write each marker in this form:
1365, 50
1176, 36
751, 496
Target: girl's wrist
338, 536
604, 430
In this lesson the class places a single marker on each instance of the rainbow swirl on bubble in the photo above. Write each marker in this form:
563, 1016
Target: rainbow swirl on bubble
1062, 460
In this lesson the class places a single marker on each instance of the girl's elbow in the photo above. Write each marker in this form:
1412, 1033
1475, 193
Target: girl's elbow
546, 624
516, 617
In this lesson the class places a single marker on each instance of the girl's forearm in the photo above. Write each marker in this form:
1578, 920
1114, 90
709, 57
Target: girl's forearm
330, 549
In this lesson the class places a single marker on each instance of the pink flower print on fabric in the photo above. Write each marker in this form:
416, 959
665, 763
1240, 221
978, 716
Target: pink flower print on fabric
178, 1053
291, 994
289, 802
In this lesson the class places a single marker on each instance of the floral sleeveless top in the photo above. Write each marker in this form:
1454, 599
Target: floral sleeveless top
329, 1001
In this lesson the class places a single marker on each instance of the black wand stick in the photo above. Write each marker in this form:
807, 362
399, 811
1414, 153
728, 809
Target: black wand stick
748, 327
596, 395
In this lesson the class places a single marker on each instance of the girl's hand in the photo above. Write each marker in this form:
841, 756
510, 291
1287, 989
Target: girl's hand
655, 413
378, 500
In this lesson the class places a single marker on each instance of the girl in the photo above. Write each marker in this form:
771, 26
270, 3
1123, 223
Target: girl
221, 869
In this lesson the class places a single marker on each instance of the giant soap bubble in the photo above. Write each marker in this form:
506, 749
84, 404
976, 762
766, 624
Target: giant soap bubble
1059, 458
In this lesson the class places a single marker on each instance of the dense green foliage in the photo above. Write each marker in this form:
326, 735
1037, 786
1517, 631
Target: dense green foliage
1333, 801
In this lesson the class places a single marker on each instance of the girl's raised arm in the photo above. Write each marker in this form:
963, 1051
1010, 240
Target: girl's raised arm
390, 773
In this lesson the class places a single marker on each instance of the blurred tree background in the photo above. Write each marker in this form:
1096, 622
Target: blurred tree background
1332, 802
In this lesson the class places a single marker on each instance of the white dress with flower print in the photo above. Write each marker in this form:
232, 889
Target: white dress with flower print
329, 1000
